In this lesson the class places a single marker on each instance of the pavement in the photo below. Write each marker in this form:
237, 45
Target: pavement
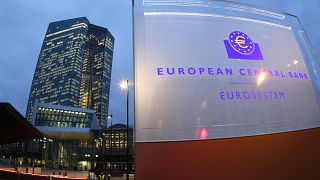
71, 174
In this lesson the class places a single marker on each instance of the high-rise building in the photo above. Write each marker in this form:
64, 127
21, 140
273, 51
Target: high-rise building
74, 68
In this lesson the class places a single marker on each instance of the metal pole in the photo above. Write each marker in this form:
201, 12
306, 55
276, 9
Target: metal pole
127, 130
111, 146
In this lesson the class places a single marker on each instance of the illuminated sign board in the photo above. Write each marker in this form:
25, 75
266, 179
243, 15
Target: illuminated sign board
211, 69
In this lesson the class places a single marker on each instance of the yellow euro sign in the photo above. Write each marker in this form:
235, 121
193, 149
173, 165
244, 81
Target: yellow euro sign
240, 40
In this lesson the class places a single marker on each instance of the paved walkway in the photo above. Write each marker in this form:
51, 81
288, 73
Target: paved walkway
71, 174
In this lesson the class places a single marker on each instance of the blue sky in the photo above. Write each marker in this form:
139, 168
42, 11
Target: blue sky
24, 23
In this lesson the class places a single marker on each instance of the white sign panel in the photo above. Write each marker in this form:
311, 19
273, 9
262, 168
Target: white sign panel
206, 73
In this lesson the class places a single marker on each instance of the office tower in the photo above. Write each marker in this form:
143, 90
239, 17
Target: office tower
74, 67
96, 72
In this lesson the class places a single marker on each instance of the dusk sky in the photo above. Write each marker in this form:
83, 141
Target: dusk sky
24, 24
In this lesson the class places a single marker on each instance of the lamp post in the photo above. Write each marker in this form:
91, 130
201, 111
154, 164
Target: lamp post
109, 119
110, 143
125, 85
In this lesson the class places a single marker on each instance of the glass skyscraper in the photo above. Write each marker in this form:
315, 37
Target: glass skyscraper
74, 67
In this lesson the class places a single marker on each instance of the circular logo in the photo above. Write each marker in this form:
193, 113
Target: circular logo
241, 42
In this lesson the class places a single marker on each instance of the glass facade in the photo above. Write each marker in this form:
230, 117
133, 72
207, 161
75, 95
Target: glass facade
113, 144
95, 85
74, 67
209, 69
62, 118
105, 152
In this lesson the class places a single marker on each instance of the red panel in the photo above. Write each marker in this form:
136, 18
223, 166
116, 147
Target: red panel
293, 155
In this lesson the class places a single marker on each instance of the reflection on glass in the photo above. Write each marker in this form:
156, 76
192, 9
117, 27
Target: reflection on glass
261, 78
201, 133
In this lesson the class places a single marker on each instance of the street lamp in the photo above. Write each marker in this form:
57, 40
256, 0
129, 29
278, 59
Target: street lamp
110, 143
109, 119
124, 84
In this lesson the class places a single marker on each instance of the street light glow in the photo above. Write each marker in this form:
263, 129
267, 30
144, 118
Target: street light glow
261, 78
124, 84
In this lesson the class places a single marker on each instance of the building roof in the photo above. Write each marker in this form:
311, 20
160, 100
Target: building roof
118, 126
68, 117
14, 127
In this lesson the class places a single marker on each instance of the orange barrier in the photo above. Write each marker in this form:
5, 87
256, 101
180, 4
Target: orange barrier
291, 155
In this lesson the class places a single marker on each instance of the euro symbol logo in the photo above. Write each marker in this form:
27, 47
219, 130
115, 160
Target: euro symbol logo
240, 46
240, 41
